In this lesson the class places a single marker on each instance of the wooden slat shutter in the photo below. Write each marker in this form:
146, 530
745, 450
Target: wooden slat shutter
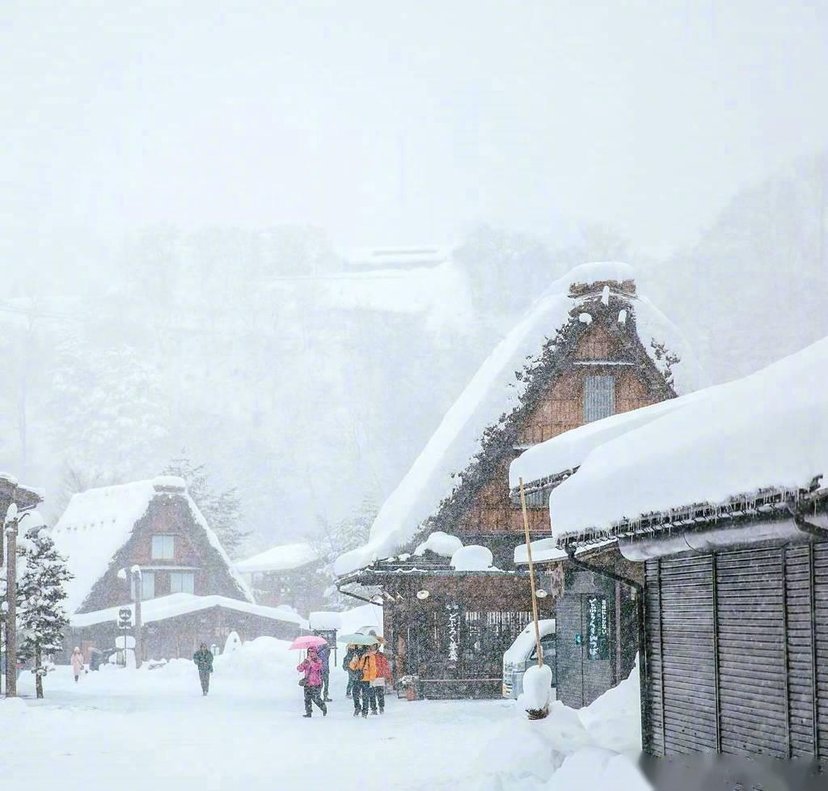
653, 700
752, 652
683, 708
820, 561
751, 672
800, 650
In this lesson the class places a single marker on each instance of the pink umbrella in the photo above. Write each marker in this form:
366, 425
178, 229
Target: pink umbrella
308, 641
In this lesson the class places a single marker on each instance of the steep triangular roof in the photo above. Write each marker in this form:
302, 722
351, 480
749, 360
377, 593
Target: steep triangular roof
482, 424
99, 522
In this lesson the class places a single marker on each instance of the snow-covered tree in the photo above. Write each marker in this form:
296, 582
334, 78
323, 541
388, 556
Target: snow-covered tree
41, 614
221, 509
334, 540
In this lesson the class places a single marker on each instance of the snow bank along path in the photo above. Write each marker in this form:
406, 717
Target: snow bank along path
153, 729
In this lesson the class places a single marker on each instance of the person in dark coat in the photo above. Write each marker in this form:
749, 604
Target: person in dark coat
324, 654
349, 655
204, 662
359, 689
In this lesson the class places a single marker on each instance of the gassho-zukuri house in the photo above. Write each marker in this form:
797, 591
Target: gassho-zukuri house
721, 505
190, 592
440, 554
285, 574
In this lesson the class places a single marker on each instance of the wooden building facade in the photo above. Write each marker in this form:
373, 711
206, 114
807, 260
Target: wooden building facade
590, 367
174, 626
735, 624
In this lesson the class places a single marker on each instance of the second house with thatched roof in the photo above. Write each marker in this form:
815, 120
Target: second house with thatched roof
189, 592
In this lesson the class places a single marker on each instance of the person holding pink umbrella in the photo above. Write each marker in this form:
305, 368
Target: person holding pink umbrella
311, 667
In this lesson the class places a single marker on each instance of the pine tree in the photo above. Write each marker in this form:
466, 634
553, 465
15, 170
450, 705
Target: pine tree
41, 614
222, 510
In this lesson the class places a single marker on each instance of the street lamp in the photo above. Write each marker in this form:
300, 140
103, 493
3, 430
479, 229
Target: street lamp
136, 594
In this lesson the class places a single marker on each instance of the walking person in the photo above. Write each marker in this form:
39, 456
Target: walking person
77, 663
346, 661
383, 678
358, 691
311, 666
324, 653
365, 662
204, 662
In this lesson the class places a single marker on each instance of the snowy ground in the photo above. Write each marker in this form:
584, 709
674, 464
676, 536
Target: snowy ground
153, 729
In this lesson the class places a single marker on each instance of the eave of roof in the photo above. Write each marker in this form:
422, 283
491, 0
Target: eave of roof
743, 509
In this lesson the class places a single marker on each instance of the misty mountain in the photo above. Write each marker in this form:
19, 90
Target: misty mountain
752, 289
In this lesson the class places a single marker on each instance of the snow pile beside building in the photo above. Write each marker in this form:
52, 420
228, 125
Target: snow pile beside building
472, 558
592, 748
768, 430
591, 768
440, 543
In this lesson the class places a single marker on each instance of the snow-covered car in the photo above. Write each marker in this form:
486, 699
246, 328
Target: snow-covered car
522, 654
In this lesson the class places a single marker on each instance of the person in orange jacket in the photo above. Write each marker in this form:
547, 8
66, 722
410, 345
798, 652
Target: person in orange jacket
364, 665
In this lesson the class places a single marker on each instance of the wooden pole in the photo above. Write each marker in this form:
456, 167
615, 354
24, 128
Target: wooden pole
531, 574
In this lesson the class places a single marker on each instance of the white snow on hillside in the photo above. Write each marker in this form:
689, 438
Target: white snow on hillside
769, 429
491, 392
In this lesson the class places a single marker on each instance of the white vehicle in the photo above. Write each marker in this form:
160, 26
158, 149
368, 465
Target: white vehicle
522, 654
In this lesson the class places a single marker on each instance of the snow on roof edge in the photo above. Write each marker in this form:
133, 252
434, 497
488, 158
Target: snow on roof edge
713, 447
282, 557
177, 604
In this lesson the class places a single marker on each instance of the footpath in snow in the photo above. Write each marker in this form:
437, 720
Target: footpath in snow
130, 729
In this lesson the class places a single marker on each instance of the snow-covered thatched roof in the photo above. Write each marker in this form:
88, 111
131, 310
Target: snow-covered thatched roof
97, 523
763, 432
178, 604
284, 557
493, 392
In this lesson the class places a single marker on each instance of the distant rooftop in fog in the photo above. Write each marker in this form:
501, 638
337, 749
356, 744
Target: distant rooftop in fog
397, 257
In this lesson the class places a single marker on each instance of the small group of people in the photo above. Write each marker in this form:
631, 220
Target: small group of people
316, 673
368, 672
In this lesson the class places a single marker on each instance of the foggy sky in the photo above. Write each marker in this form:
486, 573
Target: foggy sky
390, 122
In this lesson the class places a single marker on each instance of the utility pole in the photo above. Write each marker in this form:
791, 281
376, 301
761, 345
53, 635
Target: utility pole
10, 529
2, 603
